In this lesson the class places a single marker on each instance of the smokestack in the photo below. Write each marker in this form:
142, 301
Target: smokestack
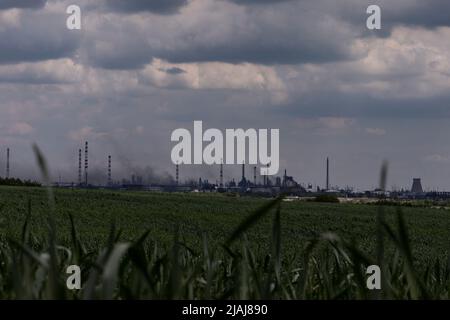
328, 174
254, 176
221, 173
86, 163
285, 178
7, 163
265, 176
109, 171
177, 174
79, 168
243, 171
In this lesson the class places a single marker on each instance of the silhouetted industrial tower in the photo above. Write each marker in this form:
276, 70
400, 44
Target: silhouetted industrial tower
79, 168
221, 173
417, 186
7, 163
328, 174
265, 176
86, 163
254, 176
177, 174
109, 171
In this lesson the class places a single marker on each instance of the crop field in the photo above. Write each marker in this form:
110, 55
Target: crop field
217, 241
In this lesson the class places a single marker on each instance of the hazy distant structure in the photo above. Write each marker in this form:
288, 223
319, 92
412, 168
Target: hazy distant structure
416, 186
86, 163
177, 176
221, 174
7, 163
265, 178
109, 171
254, 176
79, 168
243, 171
328, 174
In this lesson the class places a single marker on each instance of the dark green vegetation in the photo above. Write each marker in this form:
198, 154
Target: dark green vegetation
327, 198
18, 182
204, 246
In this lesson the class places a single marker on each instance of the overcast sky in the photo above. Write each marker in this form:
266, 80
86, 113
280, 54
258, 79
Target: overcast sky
139, 69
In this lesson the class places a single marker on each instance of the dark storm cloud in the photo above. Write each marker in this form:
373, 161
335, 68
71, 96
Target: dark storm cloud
154, 6
37, 38
22, 4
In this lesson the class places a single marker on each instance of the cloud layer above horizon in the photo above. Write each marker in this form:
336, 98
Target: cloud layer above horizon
139, 69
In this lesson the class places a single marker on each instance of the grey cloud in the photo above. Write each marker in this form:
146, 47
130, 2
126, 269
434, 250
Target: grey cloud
38, 37
257, 2
22, 4
285, 36
110, 47
428, 14
329, 103
173, 71
154, 6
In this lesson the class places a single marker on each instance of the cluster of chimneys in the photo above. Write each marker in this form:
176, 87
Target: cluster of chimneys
83, 176
84, 181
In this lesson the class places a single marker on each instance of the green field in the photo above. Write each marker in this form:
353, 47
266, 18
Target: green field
213, 217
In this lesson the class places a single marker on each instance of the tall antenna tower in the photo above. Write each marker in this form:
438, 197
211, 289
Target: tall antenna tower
7, 163
79, 168
177, 173
109, 171
86, 163
254, 176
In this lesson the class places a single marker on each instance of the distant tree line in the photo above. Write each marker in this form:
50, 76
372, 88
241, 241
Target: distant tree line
18, 182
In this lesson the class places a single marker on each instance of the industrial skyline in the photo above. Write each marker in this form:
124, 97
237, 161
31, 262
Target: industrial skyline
139, 178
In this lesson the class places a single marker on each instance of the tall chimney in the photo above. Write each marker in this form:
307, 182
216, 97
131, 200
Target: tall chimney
265, 176
221, 173
86, 163
328, 174
79, 168
243, 171
109, 171
7, 163
254, 176
177, 174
